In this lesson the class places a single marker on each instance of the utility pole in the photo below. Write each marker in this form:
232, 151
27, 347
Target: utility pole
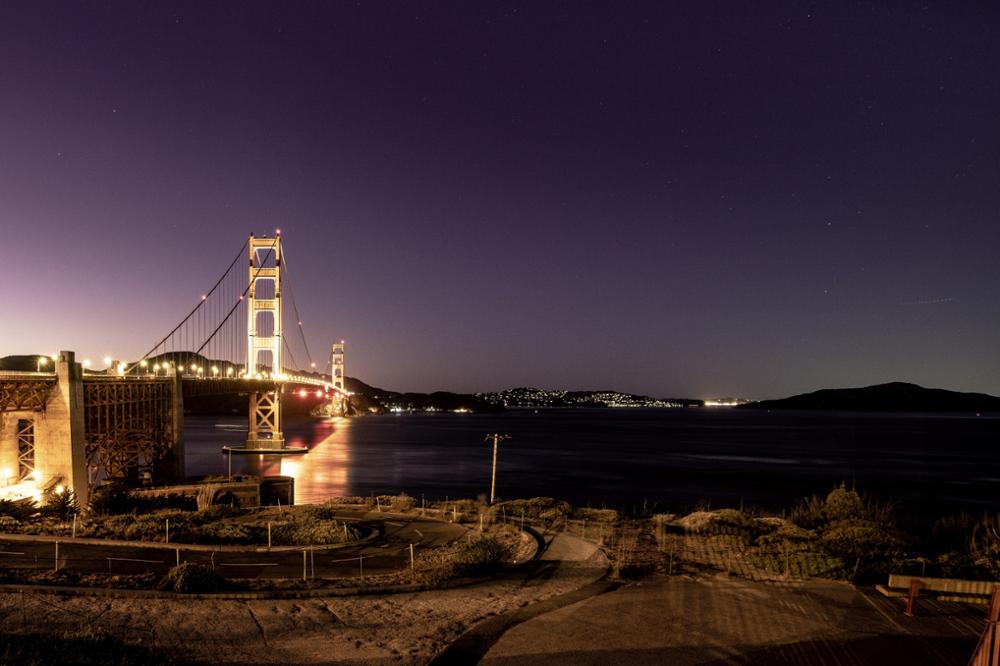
497, 438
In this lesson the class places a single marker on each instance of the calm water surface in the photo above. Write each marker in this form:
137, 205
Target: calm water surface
621, 458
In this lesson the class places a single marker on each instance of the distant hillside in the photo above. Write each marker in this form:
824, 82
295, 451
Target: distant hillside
527, 396
20, 363
892, 397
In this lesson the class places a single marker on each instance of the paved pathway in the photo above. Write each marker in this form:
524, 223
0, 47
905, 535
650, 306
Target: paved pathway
681, 621
562, 551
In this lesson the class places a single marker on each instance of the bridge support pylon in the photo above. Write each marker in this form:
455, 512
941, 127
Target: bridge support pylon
264, 338
338, 401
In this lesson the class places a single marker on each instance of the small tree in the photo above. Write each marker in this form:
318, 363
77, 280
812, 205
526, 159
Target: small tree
61, 505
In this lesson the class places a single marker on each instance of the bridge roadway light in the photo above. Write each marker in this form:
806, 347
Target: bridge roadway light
229, 371
42, 361
215, 371
107, 361
86, 363
143, 363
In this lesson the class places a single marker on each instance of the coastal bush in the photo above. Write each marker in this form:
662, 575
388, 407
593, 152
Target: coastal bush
19, 510
221, 533
478, 557
535, 508
843, 504
110, 499
322, 512
311, 533
985, 543
87, 647
596, 515
786, 532
352, 500
460, 510
809, 512
402, 502
192, 578
953, 534
61, 506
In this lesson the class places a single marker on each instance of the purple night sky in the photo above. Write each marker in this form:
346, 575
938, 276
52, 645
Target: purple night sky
727, 198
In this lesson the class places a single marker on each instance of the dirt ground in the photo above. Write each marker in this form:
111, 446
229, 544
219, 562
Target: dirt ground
390, 629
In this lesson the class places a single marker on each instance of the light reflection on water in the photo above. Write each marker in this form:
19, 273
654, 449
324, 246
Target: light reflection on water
319, 474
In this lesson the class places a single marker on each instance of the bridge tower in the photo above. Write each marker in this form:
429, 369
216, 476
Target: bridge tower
337, 378
264, 338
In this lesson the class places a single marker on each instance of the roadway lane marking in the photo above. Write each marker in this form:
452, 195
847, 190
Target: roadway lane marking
9, 552
129, 559
419, 533
262, 564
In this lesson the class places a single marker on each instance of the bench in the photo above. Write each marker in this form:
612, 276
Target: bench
943, 589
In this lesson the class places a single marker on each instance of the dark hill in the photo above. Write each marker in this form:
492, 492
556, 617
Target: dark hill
892, 397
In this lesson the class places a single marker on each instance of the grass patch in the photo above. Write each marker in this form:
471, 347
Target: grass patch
89, 647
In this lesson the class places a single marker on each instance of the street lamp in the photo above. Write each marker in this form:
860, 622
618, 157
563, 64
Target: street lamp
497, 438
143, 364
215, 371
42, 360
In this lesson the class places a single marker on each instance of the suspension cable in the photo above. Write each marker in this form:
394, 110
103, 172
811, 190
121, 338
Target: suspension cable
295, 309
242, 297
196, 308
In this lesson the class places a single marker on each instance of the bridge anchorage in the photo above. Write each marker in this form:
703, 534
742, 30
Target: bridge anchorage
66, 427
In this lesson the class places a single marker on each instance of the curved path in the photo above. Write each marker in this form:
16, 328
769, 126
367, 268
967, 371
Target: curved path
560, 551
390, 551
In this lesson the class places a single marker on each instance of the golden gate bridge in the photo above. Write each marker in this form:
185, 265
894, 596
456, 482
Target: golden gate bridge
69, 427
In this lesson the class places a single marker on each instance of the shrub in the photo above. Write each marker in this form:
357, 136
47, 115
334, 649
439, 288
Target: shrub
596, 515
985, 543
844, 504
478, 557
192, 578
110, 499
401, 502
809, 513
536, 508
60, 505
19, 510
953, 533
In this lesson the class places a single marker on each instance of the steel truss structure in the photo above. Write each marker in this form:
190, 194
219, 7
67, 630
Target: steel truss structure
25, 449
25, 393
128, 425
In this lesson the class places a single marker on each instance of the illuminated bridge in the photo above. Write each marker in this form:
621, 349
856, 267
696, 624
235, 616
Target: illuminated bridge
66, 426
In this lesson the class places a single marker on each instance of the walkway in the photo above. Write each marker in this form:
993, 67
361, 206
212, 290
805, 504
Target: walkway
681, 621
